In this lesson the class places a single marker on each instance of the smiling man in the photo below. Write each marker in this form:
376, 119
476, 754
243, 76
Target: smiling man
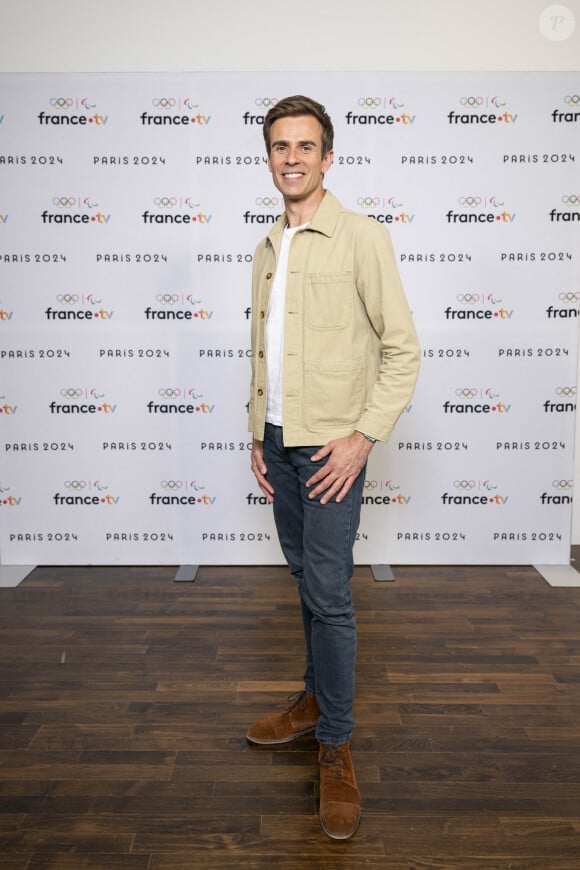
335, 359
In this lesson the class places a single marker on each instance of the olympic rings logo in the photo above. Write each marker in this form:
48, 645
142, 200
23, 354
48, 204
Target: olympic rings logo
573, 100
165, 201
169, 392
466, 392
571, 199
471, 102
61, 102
167, 298
369, 102
265, 102
370, 484
565, 391
67, 298
71, 392
267, 201
464, 484
563, 484
469, 201
64, 201
368, 201
75, 484
569, 296
468, 298
164, 102
171, 484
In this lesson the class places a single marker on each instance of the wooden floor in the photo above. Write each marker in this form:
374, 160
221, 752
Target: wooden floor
124, 699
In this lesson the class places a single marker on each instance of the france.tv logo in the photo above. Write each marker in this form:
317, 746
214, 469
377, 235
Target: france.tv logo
75, 210
386, 209
477, 209
78, 306
482, 110
7, 497
469, 492
85, 492
176, 210
174, 111
81, 400
382, 111
182, 492
72, 112
476, 400
479, 306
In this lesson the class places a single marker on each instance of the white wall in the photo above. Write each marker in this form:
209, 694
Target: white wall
173, 35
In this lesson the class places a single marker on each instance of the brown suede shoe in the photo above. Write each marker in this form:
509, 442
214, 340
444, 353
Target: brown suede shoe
300, 718
340, 801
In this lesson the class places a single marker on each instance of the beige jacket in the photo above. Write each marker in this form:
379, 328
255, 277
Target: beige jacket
351, 354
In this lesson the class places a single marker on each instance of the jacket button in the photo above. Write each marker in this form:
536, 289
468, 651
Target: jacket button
262, 315
261, 354
269, 275
260, 392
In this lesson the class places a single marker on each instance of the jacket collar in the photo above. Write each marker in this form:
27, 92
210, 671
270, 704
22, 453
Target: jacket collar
323, 221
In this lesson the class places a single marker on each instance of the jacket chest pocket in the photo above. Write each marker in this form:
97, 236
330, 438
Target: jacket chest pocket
329, 300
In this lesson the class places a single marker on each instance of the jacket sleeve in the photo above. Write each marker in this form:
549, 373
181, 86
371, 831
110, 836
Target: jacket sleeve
380, 289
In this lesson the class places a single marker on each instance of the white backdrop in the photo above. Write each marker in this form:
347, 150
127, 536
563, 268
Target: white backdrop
126, 237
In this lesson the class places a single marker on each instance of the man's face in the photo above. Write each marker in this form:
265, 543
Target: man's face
296, 160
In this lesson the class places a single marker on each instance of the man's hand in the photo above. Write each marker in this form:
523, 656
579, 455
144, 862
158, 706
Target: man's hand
346, 458
260, 470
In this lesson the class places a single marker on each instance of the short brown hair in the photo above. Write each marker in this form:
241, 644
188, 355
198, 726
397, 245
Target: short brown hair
299, 105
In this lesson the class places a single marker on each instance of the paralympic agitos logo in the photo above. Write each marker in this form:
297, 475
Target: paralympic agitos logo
72, 112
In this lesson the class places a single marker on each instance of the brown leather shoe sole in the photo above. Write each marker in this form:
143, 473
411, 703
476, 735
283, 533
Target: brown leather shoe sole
265, 742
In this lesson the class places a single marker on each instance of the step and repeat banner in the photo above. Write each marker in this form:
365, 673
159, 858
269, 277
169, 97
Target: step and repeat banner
130, 207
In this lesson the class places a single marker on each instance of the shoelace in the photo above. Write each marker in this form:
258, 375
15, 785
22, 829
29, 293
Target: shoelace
334, 763
295, 700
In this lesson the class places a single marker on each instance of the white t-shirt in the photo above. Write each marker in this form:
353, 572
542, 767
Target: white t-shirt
275, 330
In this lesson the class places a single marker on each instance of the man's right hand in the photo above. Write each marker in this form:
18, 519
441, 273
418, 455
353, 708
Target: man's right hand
260, 470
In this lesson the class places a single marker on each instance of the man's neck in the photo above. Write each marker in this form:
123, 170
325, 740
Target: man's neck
299, 213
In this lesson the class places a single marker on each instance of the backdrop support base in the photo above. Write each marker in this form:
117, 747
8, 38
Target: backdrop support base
382, 573
559, 575
12, 575
187, 574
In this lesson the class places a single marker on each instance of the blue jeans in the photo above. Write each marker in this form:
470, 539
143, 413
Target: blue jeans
317, 541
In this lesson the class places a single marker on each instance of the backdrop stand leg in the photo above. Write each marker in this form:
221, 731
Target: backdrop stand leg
382, 573
12, 575
187, 573
559, 575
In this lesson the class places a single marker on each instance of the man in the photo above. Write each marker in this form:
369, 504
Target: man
335, 359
